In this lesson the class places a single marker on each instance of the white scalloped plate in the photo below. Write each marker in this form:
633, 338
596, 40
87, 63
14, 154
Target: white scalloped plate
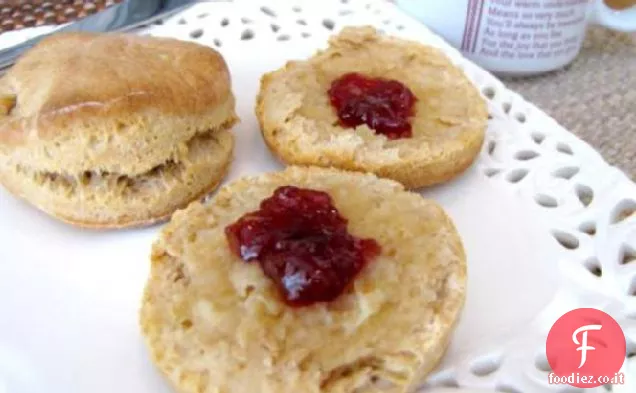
544, 219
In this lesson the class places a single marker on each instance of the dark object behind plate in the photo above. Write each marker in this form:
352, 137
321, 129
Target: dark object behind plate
17, 14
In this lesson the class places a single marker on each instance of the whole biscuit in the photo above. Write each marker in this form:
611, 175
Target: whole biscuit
115, 130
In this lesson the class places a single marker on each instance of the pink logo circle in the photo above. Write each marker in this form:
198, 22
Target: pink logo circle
585, 348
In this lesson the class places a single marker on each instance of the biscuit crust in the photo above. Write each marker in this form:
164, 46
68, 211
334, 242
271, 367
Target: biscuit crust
300, 126
114, 201
214, 323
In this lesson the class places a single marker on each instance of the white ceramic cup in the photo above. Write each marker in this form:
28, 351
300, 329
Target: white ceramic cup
517, 37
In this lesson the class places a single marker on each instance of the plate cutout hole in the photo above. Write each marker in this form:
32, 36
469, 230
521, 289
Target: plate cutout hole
225, 22
275, 28
507, 389
566, 240
506, 106
297, 9
386, 22
521, 118
566, 172
344, 1
182, 21
588, 228
302, 22
564, 148
525, 155
491, 147
305, 35
247, 35
447, 381
328, 23
217, 42
593, 266
203, 15
538, 137
399, 27
488, 92
246, 21
628, 254
585, 194
546, 201
516, 175
196, 33
631, 349
541, 363
345, 12
490, 172
268, 11
631, 290
623, 210
283, 37
485, 366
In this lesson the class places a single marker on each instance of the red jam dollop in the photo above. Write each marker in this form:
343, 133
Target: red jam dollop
384, 105
301, 242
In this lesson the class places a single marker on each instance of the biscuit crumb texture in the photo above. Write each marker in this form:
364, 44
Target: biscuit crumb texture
300, 126
214, 323
96, 199
115, 130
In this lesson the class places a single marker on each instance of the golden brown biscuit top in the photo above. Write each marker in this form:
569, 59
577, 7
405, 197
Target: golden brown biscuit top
72, 75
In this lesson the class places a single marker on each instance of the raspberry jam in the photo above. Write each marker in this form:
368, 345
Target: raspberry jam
383, 105
302, 244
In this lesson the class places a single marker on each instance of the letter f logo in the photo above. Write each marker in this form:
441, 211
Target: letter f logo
583, 344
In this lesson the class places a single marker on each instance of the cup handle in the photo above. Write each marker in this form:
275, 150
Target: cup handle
620, 20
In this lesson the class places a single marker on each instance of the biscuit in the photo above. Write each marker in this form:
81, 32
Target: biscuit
300, 126
214, 323
114, 130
